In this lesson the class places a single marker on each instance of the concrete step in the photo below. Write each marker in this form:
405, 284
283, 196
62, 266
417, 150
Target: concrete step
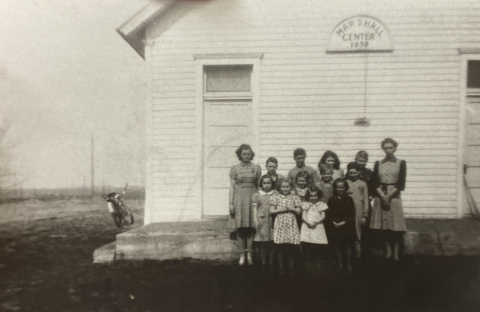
443, 237
105, 253
206, 239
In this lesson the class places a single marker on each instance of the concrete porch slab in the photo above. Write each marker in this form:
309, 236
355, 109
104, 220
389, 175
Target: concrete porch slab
105, 253
210, 240
206, 239
443, 237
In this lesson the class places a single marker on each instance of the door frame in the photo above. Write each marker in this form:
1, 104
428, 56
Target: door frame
201, 60
465, 56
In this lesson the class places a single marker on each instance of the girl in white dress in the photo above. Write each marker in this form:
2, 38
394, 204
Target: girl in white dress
312, 234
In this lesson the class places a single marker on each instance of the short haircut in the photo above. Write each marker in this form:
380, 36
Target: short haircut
391, 141
325, 168
362, 154
327, 154
299, 151
311, 190
244, 147
303, 174
271, 159
284, 181
263, 177
339, 180
353, 165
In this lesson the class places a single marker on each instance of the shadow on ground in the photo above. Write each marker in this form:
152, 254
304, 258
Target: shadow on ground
46, 265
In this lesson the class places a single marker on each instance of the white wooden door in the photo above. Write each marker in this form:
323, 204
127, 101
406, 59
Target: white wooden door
227, 125
472, 156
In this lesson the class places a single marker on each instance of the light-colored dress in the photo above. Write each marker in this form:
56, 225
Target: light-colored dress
314, 212
358, 190
292, 174
389, 174
246, 182
337, 174
327, 190
261, 206
300, 192
285, 228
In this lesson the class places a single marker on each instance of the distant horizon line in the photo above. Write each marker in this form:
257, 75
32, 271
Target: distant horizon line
73, 187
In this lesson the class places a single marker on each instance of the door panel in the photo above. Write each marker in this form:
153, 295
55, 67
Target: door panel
227, 124
217, 178
473, 134
473, 177
471, 157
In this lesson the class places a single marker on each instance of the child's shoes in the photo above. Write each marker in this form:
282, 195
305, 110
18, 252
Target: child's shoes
242, 259
249, 258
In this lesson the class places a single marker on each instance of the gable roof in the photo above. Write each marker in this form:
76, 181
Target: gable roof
133, 30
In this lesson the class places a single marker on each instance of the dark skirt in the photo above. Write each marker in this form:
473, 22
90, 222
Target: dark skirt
340, 237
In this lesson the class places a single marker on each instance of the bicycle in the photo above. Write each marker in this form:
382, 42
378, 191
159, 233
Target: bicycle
121, 213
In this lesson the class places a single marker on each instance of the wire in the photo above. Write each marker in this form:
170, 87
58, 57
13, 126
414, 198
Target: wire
365, 89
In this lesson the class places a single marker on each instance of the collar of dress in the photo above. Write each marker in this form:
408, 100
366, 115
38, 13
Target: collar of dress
245, 165
262, 192
393, 159
318, 204
301, 191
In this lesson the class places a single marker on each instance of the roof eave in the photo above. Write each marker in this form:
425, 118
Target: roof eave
133, 30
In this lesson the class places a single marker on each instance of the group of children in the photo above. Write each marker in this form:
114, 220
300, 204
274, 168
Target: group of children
309, 214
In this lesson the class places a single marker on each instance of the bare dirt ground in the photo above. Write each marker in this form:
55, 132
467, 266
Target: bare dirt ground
46, 265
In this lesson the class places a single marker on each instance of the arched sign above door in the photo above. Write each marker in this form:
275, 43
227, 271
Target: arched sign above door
360, 34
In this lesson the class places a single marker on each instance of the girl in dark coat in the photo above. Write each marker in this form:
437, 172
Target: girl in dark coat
340, 223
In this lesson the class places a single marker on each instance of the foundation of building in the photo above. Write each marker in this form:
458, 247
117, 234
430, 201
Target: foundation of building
212, 240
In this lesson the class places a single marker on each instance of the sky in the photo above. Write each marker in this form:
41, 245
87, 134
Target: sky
65, 76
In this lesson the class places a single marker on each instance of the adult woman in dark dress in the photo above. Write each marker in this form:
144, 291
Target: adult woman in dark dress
388, 181
244, 179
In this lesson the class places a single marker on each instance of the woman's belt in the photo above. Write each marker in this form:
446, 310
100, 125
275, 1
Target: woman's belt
246, 185
388, 183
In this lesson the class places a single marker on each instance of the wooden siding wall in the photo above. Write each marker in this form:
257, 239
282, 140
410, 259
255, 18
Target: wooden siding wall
309, 98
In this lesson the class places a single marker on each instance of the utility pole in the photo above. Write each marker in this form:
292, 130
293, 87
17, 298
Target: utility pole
93, 168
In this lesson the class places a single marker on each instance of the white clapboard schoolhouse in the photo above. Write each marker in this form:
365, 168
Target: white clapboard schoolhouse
322, 75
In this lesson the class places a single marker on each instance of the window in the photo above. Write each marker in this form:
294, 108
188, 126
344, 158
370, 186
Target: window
473, 74
228, 81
